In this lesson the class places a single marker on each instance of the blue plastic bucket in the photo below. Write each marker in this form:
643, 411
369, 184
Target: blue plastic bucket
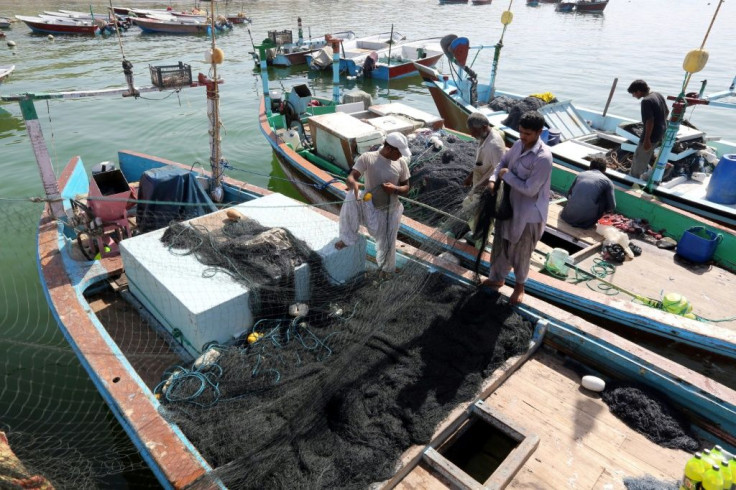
554, 136
698, 244
721, 188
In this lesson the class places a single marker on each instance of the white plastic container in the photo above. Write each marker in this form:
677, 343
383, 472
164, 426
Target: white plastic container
556, 262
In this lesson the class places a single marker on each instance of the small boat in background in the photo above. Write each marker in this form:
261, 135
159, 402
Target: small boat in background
177, 26
532, 3
50, 25
5, 71
591, 6
4, 23
565, 7
395, 61
443, 2
481, 2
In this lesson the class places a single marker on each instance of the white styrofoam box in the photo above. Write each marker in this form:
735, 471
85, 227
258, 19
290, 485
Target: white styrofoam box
173, 288
684, 133
335, 136
389, 124
178, 290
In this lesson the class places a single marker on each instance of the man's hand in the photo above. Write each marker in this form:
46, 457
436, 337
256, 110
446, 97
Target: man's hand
491, 187
502, 172
389, 188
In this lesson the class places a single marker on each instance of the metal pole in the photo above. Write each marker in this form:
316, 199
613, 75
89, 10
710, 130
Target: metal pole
610, 96
335, 70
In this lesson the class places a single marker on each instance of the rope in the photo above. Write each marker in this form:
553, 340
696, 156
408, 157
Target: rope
438, 211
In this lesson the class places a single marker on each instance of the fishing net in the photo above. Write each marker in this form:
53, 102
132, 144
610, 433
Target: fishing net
648, 482
332, 398
650, 415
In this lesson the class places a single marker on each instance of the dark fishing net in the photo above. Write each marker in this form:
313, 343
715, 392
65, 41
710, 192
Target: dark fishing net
516, 108
437, 176
651, 416
648, 482
331, 399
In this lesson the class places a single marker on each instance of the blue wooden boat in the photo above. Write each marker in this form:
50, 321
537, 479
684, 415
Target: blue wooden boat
588, 132
321, 180
125, 368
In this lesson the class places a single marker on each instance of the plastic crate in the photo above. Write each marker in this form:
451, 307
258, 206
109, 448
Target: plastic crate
171, 76
280, 38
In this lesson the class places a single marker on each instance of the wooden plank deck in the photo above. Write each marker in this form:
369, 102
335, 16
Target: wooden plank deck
708, 288
582, 445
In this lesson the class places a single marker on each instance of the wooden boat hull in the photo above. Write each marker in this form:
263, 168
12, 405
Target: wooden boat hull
41, 26
590, 7
162, 27
178, 464
291, 59
5, 72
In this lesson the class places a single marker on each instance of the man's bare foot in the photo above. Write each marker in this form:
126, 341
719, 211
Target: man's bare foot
518, 295
492, 284
340, 245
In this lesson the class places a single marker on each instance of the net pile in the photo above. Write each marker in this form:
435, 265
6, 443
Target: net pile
651, 416
332, 398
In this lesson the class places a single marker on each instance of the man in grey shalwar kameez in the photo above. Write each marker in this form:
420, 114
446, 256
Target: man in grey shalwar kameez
527, 168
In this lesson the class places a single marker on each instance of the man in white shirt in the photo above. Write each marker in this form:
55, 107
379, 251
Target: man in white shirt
487, 158
386, 173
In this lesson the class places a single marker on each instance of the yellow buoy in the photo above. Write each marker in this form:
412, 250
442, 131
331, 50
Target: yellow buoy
695, 60
507, 17
254, 337
218, 56
367, 196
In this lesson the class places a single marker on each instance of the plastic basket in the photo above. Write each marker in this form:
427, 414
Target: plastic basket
280, 37
171, 76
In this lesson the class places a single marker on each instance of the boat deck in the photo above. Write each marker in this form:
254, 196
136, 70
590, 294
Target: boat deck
657, 271
581, 444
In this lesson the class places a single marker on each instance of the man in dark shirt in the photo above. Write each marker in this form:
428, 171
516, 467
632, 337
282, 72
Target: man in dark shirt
590, 196
654, 114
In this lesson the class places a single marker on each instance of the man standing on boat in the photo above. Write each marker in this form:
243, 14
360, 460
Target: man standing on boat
654, 114
490, 150
378, 209
527, 169
590, 196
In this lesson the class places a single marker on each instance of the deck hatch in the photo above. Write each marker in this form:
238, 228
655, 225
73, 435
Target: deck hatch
485, 427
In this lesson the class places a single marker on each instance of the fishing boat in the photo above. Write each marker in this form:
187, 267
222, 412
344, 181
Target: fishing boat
176, 26
565, 7
450, 2
481, 2
281, 50
591, 6
58, 25
393, 62
4, 23
293, 122
5, 71
120, 343
585, 133
361, 46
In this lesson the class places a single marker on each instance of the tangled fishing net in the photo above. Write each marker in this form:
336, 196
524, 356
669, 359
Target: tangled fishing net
651, 416
332, 397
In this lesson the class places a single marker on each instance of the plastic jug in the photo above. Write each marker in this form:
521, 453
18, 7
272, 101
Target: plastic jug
694, 469
556, 262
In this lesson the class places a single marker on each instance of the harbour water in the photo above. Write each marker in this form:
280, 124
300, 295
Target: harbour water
47, 404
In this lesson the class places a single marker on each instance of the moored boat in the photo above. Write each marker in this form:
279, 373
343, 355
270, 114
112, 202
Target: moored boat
585, 133
280, 49
175, 26
361, 46
59, 26
565, 7
5, 71
591, 6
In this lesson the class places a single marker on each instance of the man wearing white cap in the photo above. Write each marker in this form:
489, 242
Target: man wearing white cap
386, 173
